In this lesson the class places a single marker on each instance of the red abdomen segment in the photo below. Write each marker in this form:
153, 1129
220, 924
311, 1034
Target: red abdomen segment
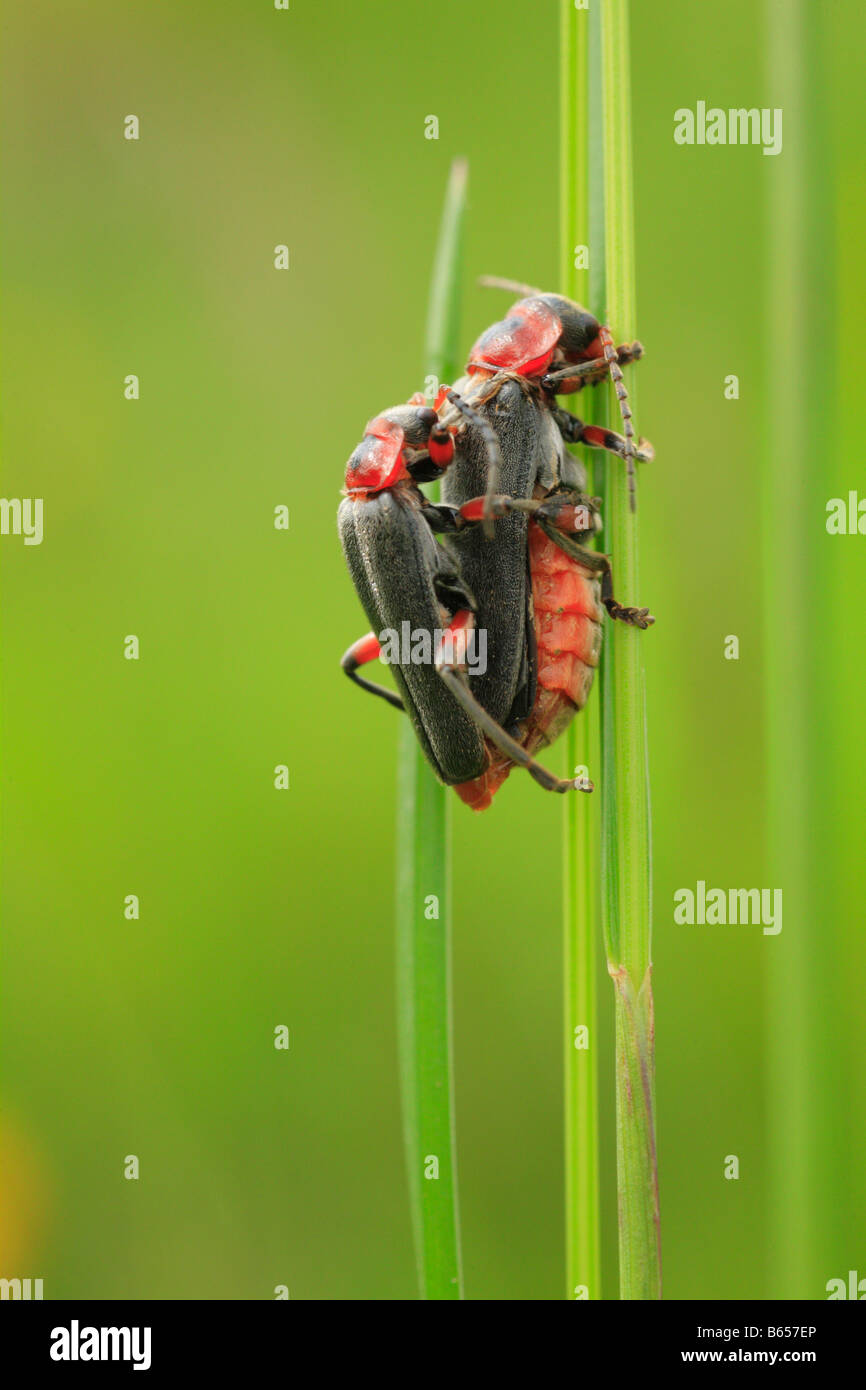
566, 600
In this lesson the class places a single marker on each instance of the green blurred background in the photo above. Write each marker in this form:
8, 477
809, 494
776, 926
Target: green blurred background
260, 907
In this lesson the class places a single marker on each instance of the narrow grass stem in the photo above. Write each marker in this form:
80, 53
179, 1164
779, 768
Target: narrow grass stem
580, 858
424, 896
805, 1091
627, 906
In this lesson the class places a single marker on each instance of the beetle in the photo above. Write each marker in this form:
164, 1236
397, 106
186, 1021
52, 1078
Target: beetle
558, 343
404, 576
541, 591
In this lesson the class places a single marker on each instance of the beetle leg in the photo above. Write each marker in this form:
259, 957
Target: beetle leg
367, 649
422, 469
574, 431
590, 372
593, 560
634, 617
459, 687
570, 511
441, 517
593, 372
457, 682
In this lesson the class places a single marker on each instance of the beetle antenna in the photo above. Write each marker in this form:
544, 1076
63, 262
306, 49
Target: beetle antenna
496, 282
494, 456
616, 377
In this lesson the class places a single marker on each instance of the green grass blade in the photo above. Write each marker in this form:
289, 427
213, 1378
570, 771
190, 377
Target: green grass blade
442, 345
627, 906
424, 896
580, 856
806, 1094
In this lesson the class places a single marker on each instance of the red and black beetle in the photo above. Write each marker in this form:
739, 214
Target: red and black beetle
404, 576
535, 590
556, 342
540, 592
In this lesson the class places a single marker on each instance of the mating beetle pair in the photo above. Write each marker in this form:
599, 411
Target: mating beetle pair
513, 519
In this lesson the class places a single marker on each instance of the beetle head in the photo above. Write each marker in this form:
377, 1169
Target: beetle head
415, 420
578, 338
380, 460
